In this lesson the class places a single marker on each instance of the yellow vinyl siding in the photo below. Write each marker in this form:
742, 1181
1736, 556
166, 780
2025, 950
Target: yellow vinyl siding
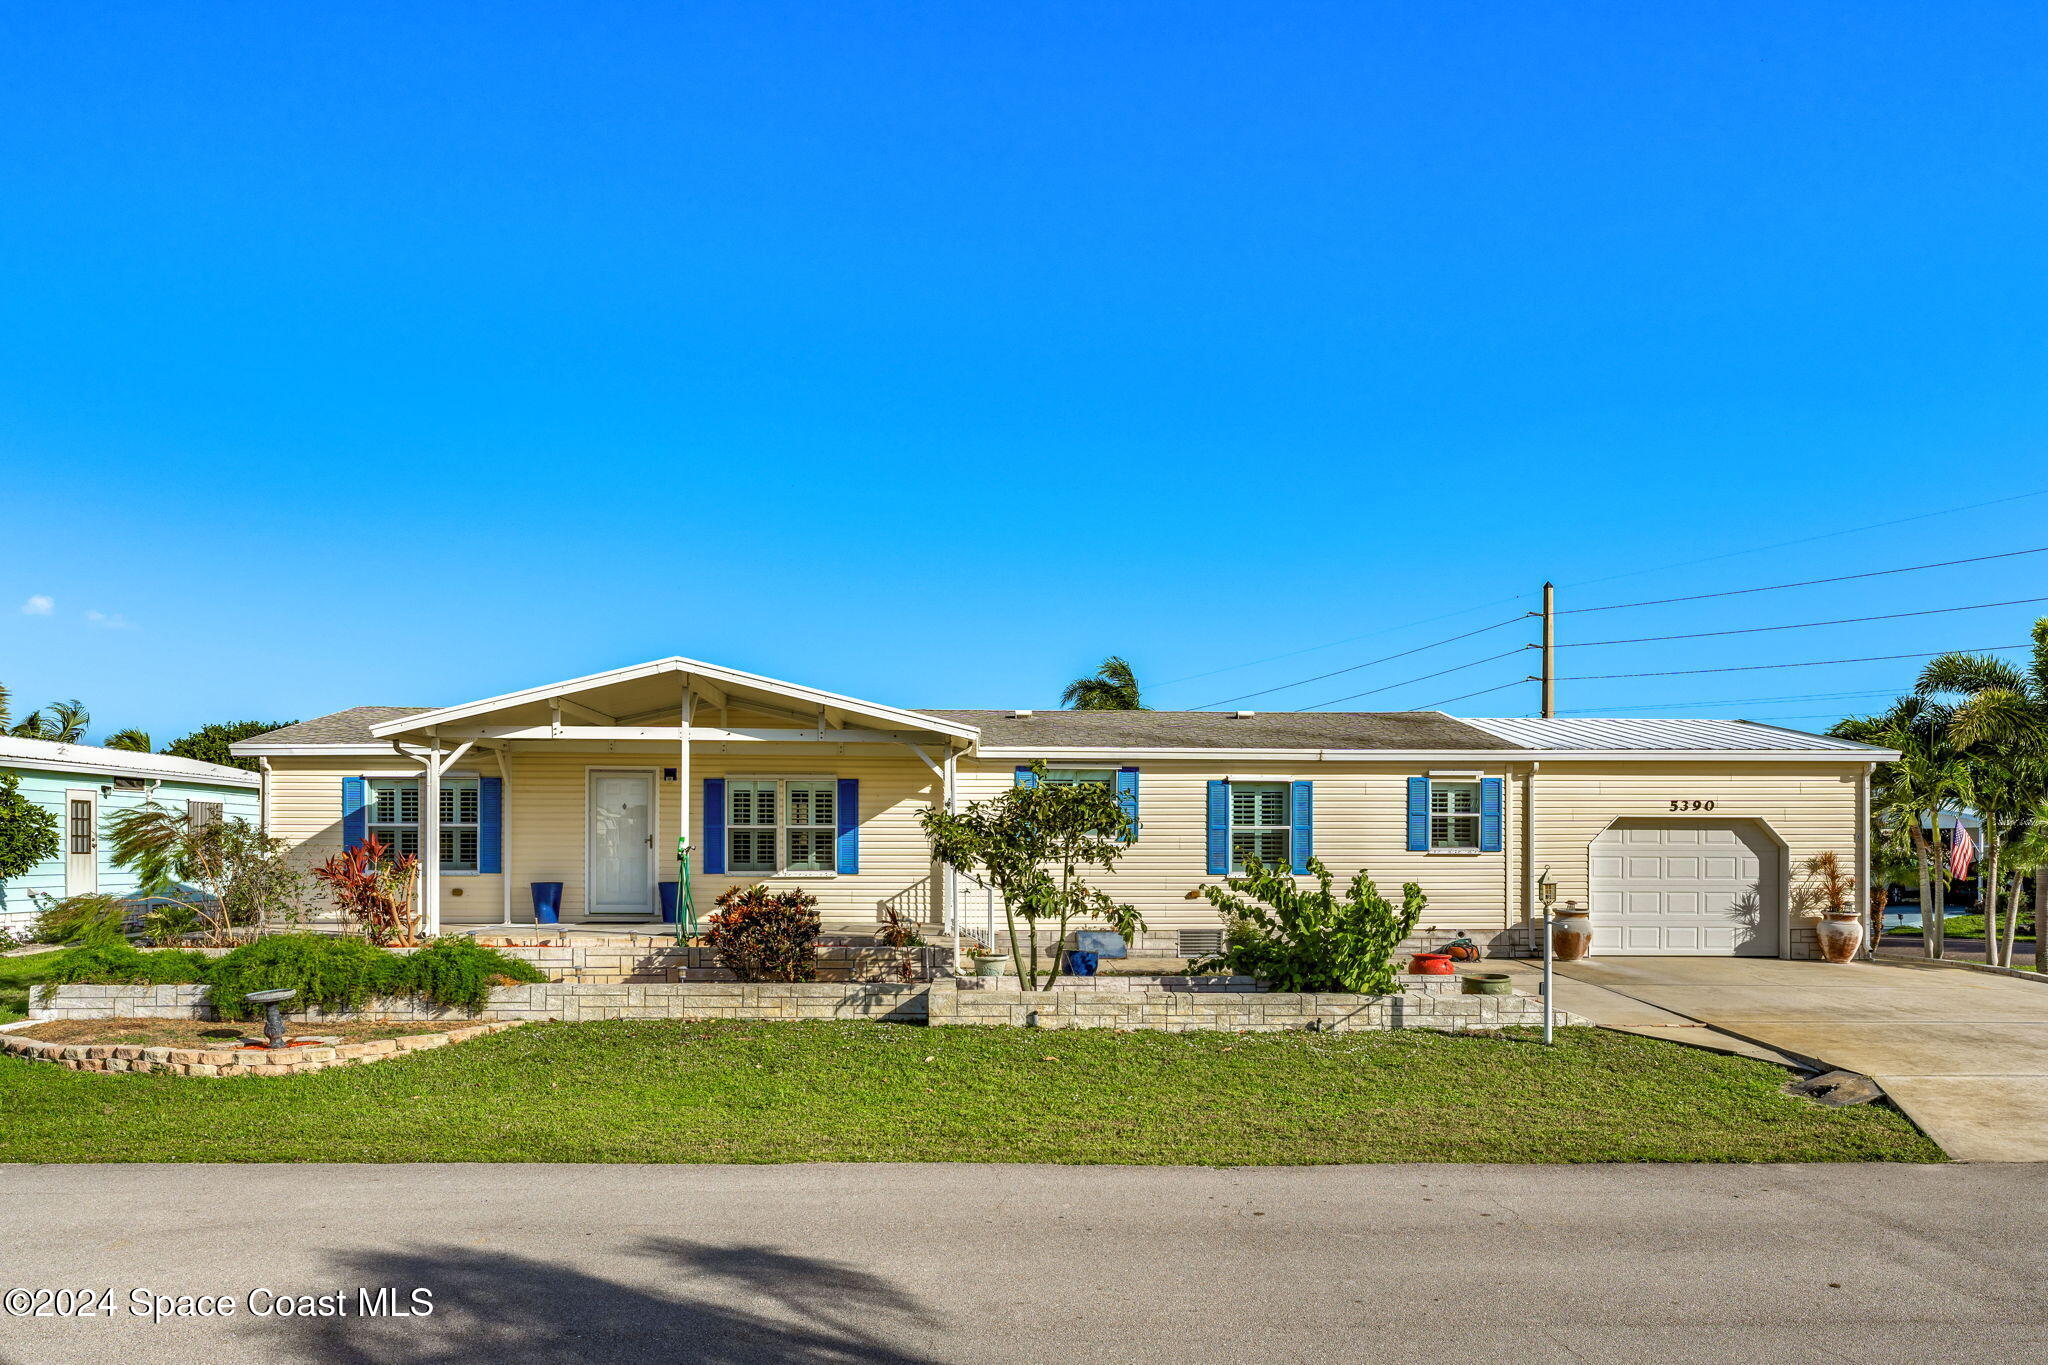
1361, 821
1810, 808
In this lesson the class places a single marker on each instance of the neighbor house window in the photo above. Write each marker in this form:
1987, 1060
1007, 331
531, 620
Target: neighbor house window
395, 818
201, 814
1453, 814
81, 827
781, 824
1259, 825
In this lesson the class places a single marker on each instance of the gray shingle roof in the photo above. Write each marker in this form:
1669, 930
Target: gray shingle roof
341, 727
1221, 730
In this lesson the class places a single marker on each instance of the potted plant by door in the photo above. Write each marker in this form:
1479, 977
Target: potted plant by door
987, 962
1829, 899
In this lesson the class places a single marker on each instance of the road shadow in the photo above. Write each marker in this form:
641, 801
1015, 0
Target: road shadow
725, 1305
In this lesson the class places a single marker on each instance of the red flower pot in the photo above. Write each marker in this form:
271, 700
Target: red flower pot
1431, 964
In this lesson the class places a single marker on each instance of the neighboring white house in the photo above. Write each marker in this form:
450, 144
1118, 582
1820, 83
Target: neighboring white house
1686, 836
82, 785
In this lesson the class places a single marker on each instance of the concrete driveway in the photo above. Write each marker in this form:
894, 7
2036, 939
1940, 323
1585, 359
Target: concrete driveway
1964, 1053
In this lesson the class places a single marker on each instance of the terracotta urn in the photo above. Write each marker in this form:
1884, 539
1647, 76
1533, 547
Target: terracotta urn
1571, 933
1840, 936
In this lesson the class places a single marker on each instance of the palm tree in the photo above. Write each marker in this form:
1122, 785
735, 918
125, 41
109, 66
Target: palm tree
2003, 723
1909, 797
63, 721
134, 741
4, 717
1113, 688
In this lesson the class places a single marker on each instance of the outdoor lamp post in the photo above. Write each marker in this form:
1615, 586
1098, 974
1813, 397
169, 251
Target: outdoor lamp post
1546, 892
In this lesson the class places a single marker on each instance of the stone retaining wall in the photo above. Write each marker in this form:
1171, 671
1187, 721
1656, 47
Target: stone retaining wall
236, 1061
1424, 1002
644, 959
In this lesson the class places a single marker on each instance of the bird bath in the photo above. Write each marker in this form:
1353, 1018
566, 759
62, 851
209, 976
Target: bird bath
273, 1022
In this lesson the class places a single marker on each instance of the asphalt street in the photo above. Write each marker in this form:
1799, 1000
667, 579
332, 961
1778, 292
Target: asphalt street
1023, 1263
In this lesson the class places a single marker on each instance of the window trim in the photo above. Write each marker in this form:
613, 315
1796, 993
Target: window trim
1286, 825
371, 824
782, 870
1477, 783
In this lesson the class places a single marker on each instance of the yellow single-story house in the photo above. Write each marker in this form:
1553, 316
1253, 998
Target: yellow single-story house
1685, 836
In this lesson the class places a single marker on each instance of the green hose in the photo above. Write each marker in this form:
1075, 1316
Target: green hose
686, 901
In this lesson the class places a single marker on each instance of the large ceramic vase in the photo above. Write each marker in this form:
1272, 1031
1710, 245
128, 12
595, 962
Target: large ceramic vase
1571, 934
1840, 936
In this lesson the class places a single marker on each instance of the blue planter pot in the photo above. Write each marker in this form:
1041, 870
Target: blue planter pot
547, 902
668, 902
1083, 964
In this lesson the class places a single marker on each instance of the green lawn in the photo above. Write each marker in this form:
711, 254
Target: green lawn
17, 974
1969, 926
758, 1092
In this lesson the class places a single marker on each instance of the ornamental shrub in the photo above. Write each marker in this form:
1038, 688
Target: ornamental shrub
91, 920
28, 833
459, 972
1294, 940
763, 935
121, 964
333, 973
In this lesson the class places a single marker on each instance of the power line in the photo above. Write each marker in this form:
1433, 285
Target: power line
1802, 625
1808, 583
1332, 644
1459, 668
1480, 693
1367, 664
1810, 663
1808, 540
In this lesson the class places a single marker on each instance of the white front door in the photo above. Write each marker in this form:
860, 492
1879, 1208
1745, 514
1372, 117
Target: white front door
81, 841
621, 852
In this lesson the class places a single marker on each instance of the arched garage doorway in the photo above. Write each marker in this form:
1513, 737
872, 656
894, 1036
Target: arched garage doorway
1687, 888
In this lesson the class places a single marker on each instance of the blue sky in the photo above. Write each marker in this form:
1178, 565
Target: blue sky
405, 354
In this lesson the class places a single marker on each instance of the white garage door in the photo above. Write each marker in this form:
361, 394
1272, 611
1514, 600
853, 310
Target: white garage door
1683, 887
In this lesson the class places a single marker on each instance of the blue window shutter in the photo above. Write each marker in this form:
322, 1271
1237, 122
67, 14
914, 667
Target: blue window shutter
490, 824
1304, 839
1025, 777
714, 826
355, 813
1219, 829
1489, 815
847, 810
1127, 797
1418, 815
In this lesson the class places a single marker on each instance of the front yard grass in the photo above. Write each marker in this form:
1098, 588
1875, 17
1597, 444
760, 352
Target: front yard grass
17, 974
778, 1092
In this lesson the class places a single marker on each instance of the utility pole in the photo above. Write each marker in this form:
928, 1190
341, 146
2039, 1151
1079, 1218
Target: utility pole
1549, 650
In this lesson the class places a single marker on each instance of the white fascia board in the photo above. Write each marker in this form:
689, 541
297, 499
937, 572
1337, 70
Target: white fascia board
1461, 755
915, 720
216, 775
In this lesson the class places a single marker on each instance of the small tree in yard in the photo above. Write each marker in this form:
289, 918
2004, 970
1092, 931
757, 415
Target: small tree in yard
244, 873
375, 890
1034, 844
28, 833
1296, 940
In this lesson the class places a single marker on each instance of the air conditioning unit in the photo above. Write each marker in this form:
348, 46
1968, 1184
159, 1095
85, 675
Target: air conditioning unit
1199, 942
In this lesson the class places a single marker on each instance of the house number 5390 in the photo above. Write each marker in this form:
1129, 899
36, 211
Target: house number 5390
1692, 805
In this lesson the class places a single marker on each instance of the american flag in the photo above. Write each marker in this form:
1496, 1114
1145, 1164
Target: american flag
1962, 851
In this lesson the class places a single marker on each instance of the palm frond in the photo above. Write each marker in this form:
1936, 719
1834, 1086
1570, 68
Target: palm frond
1969, 673
130, 741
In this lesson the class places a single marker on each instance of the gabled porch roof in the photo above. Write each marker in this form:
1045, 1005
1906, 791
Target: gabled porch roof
645, 702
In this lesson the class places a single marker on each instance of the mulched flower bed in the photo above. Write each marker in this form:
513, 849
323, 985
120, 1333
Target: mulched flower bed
201, 1033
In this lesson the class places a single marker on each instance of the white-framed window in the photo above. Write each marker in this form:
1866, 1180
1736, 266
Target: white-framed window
395, 818
1453, 813
1259, 825
781, 824
1078, 777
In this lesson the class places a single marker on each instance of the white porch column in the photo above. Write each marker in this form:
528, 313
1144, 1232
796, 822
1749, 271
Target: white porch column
949, 885
686, 712
430, 842
505, 834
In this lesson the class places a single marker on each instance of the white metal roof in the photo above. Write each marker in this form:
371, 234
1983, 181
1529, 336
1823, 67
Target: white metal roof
1638, 733
47, 755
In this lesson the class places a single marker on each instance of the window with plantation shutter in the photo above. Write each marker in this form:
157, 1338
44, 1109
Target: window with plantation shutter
1453, 814
781, 824
394, 818
1261, 825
